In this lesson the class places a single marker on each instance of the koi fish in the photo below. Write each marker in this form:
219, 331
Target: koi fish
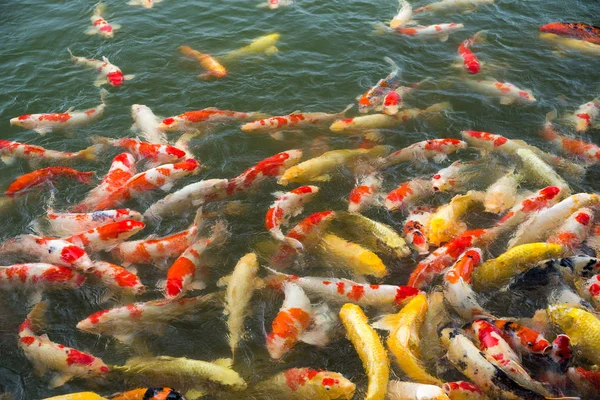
392, 102
67, 224
143, 3
502, 194
39, 277
404, 15
264, 44
445, 223
351, 256
505, 91
397, 390
213, 67
457, 285
522, 338
121, 170
582, 327
586, 115
106, 237
498, 271
66, 362
451, 5
190, 196
162, 177
591, 289
34, 179
383, 121
147, 394
347, 291
414, 230
125, 322
77, 396
10, 151
541, 171
308, 384
156, 251
117, 279
373, 98
574, 230
404, 341
192, 120
152, 152
50, 122
567, 43
293, 321
365, 193
470, 61
448, 178
275, 4
586, 381
295, 120
99, 25
147, 124
181, 275
463, 390
439, 31
288, 205
370, 350
435, 149
576, 30
51, 251
273, 166
584, 151
107, 73
318, 169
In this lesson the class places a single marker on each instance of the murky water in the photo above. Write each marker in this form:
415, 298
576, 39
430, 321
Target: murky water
327, 57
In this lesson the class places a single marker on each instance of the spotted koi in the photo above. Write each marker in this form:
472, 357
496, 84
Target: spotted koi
34, 179
470, 61
293, 121
440, 32
414, 229
522, 338
143, 151
106, 237
287, 205
574, 230
191, 120
117, 279
435, 149
308, 384
506, 92
586, 32
586, 115
374, 97
365, 193
99, 25
9, 151
67, 224
407, 194
457, 285
39, 277
107, 73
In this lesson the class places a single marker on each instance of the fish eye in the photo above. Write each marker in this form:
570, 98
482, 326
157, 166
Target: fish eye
327, 387
530, 344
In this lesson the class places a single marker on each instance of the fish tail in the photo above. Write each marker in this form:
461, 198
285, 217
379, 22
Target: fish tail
71, 54
37, 317
348, 108
219, 233
85, 177
91, 153
439, 107
100, 9
186, 50
103, 140
294, 243
103, 95
480, 37
392, 63
380, 29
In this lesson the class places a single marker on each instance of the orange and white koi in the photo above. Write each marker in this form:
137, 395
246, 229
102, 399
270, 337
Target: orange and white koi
470, 61
107, 73
50, 122
435, 149
143, 3
10, 151
347, 291
270, 167
210, 64
591, 287
162, 177
308, 384
150, 152
99, 25
502, 194
404, 15
449, 178
275, 4
438, 31
373, 98
181, 276
188, 197
157, 251
522, 338
586, 381
392, 102
288, 205
67, 224
407, 193
581, 149
39, 277
586, 115
117, 279
397, 390
34, 179
445, 223
146, 123
457, 285
46, 355
505, 91
192, 120
414, 230
124, 322
449, 5
293, 321
574, 230
463, 390
293, 121
365, 193
106, 237
120, 171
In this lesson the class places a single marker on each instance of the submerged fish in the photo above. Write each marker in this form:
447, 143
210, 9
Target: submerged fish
107, 73
264, 44
451, 5
575, 30
211, 65
99, 25
10, 151
567, 43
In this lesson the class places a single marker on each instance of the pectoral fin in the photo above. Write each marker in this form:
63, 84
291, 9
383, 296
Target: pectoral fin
43, 130
8, 160
59, 380
91, 31
322, 178
444, 37
271, 50
506, 101
99, 82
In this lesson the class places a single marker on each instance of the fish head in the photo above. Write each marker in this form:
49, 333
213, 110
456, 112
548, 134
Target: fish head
332, 385
147, 3
447, 335
527, 96
24, 121
115, 78
582, 121
252, 127
137, 109
557, 28
162, 393
170, 124
107, 30
120, 230
273, 4
391, 103
342, 125
442, 183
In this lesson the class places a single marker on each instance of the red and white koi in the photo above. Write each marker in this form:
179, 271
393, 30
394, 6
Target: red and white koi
586, 115
457, 285
118, 279
580, 149
67, 224
286, 206
275, 4
505, 91
192, 120
365, 193
435, 149
407, 194
373, 98
575, 230
438, 31
106, 237
146, 123
392, 103
450, 5
307, 384
10, 151
107, 73
502, 194
46, 355
449, 178
120, 171
463, 390
181, 276
404, 15
470, 61
99, 25
143, 3
414, 229
50, 122
34, 179
39, 277
151, 152
293, 321
522, 338
293, 121
586, 381
157, 251
270, 167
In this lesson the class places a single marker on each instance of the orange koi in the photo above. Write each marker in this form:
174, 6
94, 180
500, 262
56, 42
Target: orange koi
210, 64
106, 237
191, 120
36, 178
153, 152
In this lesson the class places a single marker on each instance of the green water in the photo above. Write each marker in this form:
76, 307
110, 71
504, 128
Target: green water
327, 57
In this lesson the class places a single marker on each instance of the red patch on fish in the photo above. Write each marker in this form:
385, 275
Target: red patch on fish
79, 358
296, 377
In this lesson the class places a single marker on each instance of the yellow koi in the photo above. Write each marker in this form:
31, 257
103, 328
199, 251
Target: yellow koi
352, 256
445, 224
582, 327
264, 44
